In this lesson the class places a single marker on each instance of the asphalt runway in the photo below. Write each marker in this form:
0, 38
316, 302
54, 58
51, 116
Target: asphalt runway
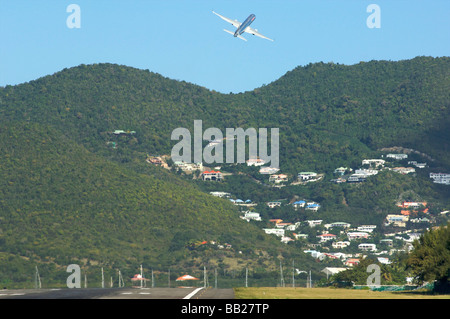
118, 293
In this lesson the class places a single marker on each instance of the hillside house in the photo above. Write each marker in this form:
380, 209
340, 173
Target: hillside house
341, 170
356, 178
340, 244
251, 216
338, 224
366, 172
275, 231
366, 228
299, 204
351, 262
413, 205
268, 170
312, 223
280, 178
221, 194
188, 167
367, 247
274, 204
373, 162
396, 220
255, 162
326, 237
404, 170
398, 157
440, 178
314, 207
212, 176
357, 235
307, 176
418, 165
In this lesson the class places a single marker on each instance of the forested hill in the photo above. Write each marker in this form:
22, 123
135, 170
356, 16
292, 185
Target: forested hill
72, 191
328, 114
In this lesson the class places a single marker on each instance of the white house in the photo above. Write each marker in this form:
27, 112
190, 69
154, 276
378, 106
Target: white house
251, 216
326, 237
404, 170
212, 176
367, 247
397, 156
374, 162
366, 172
274, 204
275, 231
440, 178
366, 228
314, 207
357, 235
268, 170
313, 223
278, 178
255, 162
340, 244
299, 203
338, 224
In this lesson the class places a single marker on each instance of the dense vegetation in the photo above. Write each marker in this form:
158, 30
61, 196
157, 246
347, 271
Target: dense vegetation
67, 195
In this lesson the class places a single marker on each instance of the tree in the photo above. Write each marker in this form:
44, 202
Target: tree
430, 259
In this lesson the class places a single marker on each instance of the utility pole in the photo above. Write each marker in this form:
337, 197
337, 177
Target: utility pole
246, 277
103, 279
141, 277
153, 281
215, 278
293, 274
37, 279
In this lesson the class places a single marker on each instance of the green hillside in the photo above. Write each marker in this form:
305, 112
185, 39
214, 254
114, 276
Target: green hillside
72, 191
62, 204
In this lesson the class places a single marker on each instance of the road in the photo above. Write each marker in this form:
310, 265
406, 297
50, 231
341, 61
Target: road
118, 293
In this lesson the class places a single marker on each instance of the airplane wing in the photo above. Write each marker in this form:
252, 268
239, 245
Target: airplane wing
236, 23
255, 32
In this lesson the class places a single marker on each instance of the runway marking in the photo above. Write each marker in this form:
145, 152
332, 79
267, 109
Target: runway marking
189, 296
144, 293
127, 293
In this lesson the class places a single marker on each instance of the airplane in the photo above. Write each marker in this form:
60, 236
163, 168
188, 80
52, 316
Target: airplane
242, 27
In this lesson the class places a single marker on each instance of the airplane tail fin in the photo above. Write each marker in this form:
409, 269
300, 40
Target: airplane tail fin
232, 33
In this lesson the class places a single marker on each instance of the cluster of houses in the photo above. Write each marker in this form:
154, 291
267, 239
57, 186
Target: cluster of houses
288, 232
372, 167
440, 178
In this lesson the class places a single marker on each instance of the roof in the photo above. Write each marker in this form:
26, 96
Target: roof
186, 277
211, 172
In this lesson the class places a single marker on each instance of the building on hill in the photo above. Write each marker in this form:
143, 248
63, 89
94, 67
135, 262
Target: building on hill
440, 178
404, 170
367, 247
357, 235
268, 170
278, 178
274, 204
299, 204
373, 162
212, 176
398, 157
326, 237
255, 162
314, 207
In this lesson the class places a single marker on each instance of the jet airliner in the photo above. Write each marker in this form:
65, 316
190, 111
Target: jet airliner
242, 27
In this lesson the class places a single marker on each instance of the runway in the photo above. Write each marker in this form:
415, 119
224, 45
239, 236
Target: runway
118, 293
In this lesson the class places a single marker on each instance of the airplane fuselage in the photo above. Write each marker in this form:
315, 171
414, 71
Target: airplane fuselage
244, 25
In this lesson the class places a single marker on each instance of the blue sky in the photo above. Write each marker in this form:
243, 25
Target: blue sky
184, 40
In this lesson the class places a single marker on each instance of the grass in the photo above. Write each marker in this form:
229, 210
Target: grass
328, 293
